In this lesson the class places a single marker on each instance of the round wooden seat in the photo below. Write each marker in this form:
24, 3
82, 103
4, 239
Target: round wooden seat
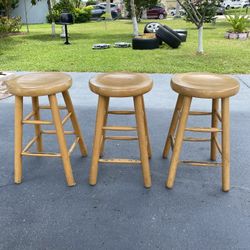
120, 84
39, 84
204, 85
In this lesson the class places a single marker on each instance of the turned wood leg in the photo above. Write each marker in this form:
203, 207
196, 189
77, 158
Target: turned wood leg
178, 142
146, 129
18, 139
215, 105
225, 144
61, 140
75, 123
173, 125
138, 103
105, 123
100, 117
35, 105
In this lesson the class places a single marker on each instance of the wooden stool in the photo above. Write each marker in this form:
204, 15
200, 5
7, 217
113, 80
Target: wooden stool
209, 86
121, 85
41, 84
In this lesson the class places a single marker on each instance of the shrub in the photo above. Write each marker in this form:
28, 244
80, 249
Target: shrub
239, 23
91, 2
82, 14
9, 25
238, 11
58, 8
206, 8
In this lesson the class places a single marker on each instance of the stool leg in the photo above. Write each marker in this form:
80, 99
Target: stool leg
138, 103
75, 123
178, 142
173, 125
105, 123
61, 140
100, 117
225, 144
35, 105
18, 139
215, 105
146, 130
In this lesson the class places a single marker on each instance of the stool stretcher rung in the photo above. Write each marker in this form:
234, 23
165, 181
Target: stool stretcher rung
43, 154
218, 115
65, 119
37, 122
30, 143
28, 116
126, 138
52, 132
74, 145
218, 145
120, 161
199, 113
204, 130
202, 163
119, 128
193, 139
48, 107
121, 112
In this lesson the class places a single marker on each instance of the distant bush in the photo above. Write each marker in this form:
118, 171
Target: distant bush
9, 25
237, 11
80, 15
91, 2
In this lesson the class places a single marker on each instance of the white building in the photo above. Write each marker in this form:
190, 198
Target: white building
35, 13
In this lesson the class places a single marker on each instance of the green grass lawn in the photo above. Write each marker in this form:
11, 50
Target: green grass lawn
38, 51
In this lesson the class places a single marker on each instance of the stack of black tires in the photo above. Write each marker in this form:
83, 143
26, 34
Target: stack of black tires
163, 33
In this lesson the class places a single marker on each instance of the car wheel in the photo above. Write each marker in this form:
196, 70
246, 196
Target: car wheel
181, 31
181, 36
145, 43
161, 16
227, 7
151, 27
168, 37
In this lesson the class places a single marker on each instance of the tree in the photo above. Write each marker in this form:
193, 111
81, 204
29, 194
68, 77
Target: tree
108, 10
49, 3
140, 5
197, 12
7, 5
134, 18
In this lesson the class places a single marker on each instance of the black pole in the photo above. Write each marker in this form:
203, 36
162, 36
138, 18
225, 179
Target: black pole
66, 35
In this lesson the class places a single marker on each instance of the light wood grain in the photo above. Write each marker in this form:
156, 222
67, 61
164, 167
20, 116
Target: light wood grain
173, 125
141, 130
18, 139
100, 116
35, 105
225, 145
61, 140
75, 124
178, 142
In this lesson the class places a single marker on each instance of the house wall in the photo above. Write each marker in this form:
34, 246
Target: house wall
35, 13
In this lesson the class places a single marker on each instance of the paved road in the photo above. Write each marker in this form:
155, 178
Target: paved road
118, 213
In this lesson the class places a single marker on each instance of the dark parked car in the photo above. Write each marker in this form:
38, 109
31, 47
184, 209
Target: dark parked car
220, 10
156, 12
